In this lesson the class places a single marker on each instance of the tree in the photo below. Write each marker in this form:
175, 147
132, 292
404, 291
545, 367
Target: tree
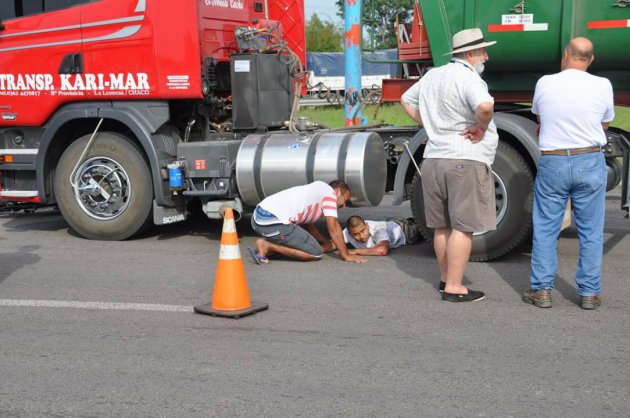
322, 36
379, 18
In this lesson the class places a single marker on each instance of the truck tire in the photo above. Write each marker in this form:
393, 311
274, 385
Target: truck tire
114, 197
514, 184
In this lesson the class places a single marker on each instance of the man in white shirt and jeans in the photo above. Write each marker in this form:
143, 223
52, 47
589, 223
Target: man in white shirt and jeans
573, 108
453, 104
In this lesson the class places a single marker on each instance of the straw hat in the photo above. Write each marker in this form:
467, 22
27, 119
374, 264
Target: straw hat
469, 39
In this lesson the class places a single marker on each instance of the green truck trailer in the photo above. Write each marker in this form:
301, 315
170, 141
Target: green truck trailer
530, 35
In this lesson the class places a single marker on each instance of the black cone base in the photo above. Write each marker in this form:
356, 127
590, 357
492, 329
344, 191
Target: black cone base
207, 310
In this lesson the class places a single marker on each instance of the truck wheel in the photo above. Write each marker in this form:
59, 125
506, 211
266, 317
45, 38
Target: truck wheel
109, 196
514, 184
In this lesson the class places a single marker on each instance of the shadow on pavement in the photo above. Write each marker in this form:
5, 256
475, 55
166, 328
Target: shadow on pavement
11, 262
515, 268
45, 219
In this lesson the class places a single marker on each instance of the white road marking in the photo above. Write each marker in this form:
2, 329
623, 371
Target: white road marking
95, 305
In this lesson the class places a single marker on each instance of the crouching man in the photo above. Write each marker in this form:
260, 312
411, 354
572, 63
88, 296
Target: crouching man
286, 221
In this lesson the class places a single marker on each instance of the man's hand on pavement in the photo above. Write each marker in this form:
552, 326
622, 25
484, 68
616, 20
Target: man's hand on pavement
355, 259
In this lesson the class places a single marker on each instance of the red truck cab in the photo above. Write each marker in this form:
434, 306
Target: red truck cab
152, 71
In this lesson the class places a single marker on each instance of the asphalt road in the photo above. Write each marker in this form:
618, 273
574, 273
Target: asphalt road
94, 328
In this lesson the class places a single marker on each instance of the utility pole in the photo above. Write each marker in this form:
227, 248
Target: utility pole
352, 47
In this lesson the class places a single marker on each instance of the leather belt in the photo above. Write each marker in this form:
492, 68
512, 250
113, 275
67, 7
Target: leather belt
572, 151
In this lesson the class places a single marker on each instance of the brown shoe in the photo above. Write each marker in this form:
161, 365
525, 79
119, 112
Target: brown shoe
590, 302
540, 298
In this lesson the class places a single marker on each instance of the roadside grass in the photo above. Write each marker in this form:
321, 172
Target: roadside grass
622, 118
393, 114
333, 116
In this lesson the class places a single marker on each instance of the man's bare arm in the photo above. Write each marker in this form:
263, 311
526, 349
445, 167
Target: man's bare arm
312, 229
413, 113
382, 248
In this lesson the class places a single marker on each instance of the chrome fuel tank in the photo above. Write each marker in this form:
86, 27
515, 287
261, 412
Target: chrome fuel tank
269, 163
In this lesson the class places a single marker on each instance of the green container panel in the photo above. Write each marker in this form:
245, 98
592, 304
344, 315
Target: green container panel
523, 54
612, 45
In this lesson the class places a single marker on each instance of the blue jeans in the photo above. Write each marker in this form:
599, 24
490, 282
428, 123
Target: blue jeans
582, 178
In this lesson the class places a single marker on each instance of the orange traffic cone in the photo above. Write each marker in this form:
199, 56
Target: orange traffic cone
231, 296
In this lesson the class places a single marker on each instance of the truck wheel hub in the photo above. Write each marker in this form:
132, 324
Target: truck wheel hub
103, 188
501, 197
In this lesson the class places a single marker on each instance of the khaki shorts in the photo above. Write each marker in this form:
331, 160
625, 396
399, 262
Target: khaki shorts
458, 194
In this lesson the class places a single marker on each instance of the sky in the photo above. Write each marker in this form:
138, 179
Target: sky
325, 9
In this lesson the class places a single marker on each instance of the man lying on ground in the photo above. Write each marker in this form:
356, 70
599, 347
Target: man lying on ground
378, 237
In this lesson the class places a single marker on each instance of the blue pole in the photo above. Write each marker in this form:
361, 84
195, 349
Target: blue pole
352, 44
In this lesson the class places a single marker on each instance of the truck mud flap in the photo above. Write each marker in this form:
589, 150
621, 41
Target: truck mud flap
163, 215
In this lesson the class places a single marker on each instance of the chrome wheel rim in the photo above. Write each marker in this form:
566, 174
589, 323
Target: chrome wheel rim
102, 188
501, 199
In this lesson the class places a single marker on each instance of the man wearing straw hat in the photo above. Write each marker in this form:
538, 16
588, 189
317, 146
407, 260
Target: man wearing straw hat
452, 103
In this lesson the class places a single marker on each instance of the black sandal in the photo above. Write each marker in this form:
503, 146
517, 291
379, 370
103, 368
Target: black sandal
471, 296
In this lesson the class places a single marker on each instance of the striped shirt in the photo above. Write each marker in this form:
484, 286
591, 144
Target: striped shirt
299, 205
447, 98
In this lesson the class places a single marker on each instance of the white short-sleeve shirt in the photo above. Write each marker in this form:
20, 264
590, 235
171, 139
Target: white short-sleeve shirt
447, 98
572, 105
300, 204
379, 231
